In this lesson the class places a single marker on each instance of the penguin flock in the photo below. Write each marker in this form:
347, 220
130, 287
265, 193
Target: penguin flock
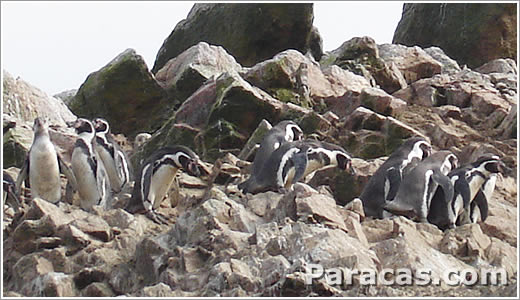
431, 187
412, 182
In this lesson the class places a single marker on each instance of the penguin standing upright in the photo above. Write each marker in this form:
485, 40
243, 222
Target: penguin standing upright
155, 177
92, 179
283, 132
293, 161
41, 169
419, 185
384, 183
114, 159
474, 184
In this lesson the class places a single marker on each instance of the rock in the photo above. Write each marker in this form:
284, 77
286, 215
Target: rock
380, 102
183, 75
158, 290
233, 111
464, 241
66, 96
98, 289
488, 30
94, 226
276, 27
507, 129
361, 56
26, 102
16, 144
495, 226
378, 230
498, 66
126, 94
448, 65
263, 204
413, 62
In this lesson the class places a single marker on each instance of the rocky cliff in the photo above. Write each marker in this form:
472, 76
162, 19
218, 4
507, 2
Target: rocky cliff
365, 97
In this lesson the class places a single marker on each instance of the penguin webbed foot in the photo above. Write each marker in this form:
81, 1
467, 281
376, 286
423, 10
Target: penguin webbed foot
157, 217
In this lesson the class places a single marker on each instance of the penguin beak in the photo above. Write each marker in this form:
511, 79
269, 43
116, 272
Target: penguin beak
193, 168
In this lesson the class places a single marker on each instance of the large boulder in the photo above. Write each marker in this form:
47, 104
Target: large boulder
471, 33
126, 94
25, 102
250, 32
184, 74
361, 56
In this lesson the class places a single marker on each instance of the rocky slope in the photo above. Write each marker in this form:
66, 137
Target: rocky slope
365, 97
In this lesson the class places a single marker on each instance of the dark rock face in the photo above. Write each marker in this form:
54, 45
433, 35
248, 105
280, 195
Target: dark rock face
125, 93
250, 32
472, 34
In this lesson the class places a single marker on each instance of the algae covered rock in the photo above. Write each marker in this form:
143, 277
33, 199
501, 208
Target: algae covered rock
126, 94
250, 32
470, 33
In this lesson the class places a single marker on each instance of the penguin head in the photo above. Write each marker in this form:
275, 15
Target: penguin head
84, 127
101, 125
40, 126
187, 160
293, 132
490, 163
345, 163
449, 161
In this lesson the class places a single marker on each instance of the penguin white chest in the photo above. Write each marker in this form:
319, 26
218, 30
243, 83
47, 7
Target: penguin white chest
44, 175
161, 181
87, 183
474, 185
110, 166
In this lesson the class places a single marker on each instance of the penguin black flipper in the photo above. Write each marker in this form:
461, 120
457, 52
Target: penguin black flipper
462, 188
23, 175
67, 171
481, 202
444, 182
299, 162
399, 209
393, 178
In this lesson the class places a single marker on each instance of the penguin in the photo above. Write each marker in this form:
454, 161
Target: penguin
283, 132
9, 192
42, 166
293, 161
419, 185
156, 175
140, 139
92, 178
474, 186
384, 183
114, 159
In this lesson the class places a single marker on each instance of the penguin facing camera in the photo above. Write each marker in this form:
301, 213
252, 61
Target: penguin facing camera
42, 166
92, 178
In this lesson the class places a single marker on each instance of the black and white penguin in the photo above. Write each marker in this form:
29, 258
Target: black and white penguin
293, 161
474, 184
41, 168
384, 183
9, 192
419, 185
92, 179
283, 132
114, 159
156, 176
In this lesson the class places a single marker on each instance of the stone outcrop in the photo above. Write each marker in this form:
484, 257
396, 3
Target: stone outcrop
470, 33
126, 94
276, 27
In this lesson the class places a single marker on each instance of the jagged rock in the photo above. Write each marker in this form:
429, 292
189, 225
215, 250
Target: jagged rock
507, 129
66, 96
26, 102
233, 110
16, 144
413, 62
498, 66
183, 75
483, 37
276, 27
496, 227
292, 77
98, 289
367, 134
126, 94
463, 241
448, 65
94, 226
361, 56
158, 290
